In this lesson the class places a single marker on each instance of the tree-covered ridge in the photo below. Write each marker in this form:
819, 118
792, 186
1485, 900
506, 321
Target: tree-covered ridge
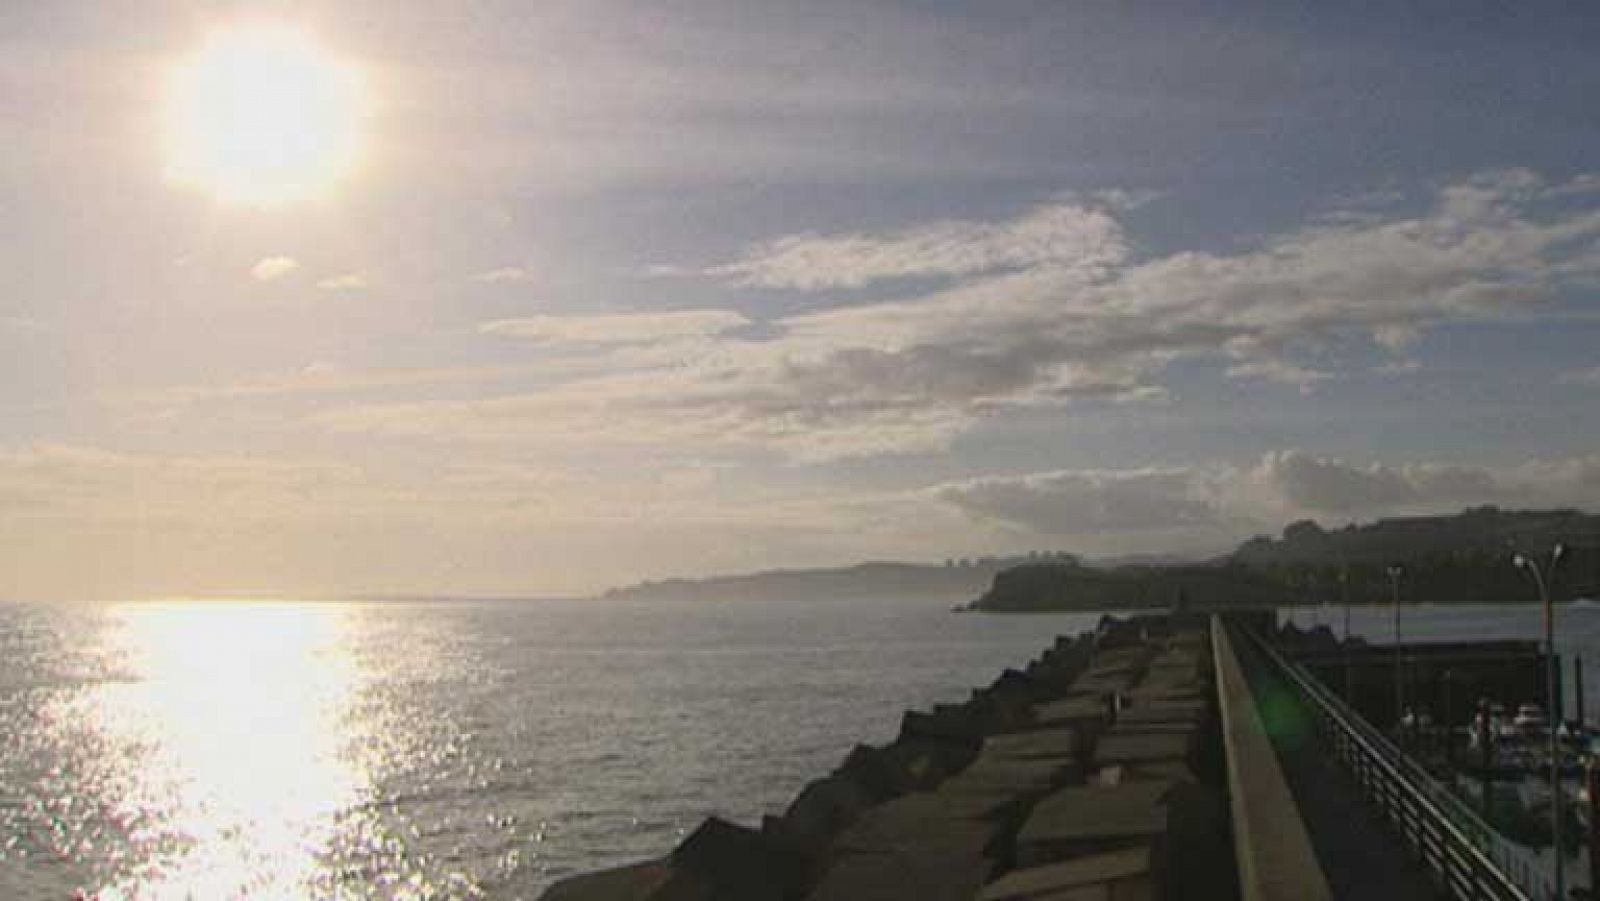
1070, 586
1465, 558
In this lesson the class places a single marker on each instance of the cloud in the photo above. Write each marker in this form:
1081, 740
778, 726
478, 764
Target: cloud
504, 275
112, 485
1590, 377
1280, 372
618, 328
1218, 503
1398, 367
91, 522
1292, 482
1026, 324
315, 379
270, 269
100, 487
22, 323
1070, 502
353, 281
1322, 484
1578, 185
1063, 235
660, 408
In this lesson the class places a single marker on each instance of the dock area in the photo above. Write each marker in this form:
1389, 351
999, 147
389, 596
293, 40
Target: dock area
1131, 762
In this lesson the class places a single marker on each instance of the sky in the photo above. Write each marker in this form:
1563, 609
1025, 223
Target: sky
618, 291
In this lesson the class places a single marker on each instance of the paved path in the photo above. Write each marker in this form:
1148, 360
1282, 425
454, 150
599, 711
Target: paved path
1361, 854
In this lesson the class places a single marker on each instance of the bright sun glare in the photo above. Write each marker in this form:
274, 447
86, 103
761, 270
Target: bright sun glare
261, 114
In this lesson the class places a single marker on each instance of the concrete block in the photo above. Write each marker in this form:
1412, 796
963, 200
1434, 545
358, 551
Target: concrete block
1077, 711
875, 771
1126, 746
897, 877
724, 860
819, 811
630, 883
1074, 821
1055, 743
1124, 870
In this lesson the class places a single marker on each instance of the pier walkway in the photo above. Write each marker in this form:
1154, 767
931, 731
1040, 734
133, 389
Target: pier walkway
1361, 855
1276, 860
1344, 756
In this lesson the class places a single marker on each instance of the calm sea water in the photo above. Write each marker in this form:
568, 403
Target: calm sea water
436, 750
461, 750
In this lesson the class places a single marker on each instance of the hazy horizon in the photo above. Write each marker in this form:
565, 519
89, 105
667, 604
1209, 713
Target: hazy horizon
547, 299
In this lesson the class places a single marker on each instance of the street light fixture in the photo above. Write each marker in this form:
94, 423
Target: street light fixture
1531, 566
1344, 595
1395, 571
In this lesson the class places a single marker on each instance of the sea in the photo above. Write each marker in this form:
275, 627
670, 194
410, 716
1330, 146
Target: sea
472, 749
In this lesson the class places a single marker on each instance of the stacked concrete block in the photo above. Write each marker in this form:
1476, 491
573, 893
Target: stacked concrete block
1028, 790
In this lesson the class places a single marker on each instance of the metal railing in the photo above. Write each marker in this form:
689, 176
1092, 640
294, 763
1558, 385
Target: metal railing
1464, 853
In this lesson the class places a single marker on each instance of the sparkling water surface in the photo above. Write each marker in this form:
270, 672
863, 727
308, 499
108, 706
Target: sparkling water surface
215, 750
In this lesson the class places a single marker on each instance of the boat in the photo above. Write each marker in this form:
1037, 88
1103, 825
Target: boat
1529, 718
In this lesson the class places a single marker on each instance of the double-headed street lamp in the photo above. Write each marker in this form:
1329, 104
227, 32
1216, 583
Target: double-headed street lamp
1531, 566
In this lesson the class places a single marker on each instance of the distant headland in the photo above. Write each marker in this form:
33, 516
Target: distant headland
957, 579
1461, 558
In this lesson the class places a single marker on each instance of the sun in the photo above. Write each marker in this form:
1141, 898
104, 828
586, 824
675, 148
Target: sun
262, 115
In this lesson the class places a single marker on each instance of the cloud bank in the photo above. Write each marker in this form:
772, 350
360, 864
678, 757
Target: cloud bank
1219, 502
1044, 310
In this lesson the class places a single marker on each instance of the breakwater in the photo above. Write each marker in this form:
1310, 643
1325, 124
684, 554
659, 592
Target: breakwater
1098, 766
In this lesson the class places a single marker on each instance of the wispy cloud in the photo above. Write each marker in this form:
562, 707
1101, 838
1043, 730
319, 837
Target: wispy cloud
313, 379
113, 486
1085, 239
1082, 501
270, 269
353, 281
1280, 372
618, 328
504, 275
21, 323
1589, 376
1398, 367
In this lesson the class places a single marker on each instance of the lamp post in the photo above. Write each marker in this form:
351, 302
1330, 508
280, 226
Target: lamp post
1444, 720
1531, 566
1344, 596
1395, 571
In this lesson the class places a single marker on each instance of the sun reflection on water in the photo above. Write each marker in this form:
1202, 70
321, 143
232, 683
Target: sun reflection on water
232, 711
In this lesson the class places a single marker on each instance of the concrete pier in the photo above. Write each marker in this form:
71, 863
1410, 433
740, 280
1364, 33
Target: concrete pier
1276, 861
1097, 771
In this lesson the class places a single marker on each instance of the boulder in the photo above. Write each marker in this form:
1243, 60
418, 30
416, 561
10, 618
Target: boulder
727, 862
630, 883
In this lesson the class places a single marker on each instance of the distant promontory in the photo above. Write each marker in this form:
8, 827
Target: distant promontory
954, 580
